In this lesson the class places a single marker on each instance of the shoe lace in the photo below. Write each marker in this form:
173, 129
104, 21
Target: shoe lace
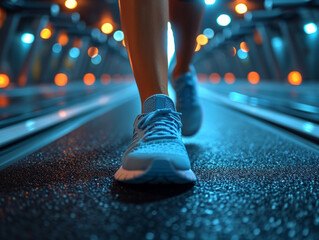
161, 124
186, 93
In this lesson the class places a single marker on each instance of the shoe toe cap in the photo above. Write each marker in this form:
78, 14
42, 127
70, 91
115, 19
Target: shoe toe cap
143, 161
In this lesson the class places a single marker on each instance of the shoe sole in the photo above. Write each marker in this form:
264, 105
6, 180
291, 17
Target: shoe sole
160, 172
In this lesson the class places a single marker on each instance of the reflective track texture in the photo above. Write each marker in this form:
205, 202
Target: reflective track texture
254, 182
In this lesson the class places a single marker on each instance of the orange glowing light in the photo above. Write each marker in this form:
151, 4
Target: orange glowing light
233, 51
45, 33
123, 42
3, 17
197, 47
258, 38
62, 114
241, 8
117, 78
63, 39
214, 78
77, 43
253, 77
89, 79
202, 77
202, 39
93, 51
244, 47
107, 28
105, 79
4, 80
295, 78
4, 101
71, 4
61, 79
229, 78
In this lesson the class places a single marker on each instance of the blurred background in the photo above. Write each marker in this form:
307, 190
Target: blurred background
68, 100
58, 53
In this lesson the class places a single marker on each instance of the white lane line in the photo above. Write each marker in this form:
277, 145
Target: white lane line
294, 123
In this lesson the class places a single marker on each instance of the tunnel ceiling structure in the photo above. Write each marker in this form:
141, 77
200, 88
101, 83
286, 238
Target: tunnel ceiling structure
97, 12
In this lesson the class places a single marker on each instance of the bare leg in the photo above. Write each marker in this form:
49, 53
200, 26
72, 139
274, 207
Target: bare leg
144, 24
186, 18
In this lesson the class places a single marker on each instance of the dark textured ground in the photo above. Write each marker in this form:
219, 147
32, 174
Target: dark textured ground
254, 182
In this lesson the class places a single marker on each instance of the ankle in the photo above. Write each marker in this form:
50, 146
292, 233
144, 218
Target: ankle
177, 72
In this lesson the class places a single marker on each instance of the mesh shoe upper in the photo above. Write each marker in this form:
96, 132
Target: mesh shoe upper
157, 135
187, 101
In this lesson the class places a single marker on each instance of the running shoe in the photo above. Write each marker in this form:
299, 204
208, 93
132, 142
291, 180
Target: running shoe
157, 153
187, 101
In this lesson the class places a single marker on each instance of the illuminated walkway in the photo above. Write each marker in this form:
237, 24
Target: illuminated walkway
254, 181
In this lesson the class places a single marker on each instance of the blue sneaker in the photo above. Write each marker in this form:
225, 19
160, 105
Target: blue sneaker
157, 153
187, 101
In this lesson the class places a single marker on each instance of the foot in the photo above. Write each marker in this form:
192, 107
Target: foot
187, 101
157, 153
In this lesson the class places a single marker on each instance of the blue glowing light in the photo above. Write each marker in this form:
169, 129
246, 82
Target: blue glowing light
96, 60
209, 33
277, 42
308, 127
27, 38
223, 20
74, 52
310, 28
242, 54
238, 97
118, 35
210, 2
305, 107
57, 48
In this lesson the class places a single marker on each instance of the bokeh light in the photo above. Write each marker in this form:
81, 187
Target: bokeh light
27, 38
242, 55
244, 47
96, 60
89, 79
202, 77
118, 35
241, 8
61, 79
310, 28
56, 48
277, 42
233, 51
295, 78
107, 28
4, 80
74, 52
71, 4
253, 77
197, 47
210, 2
209, 33
229, 78
93, 51
105, 78
258, 38
63, 39
62, 114
202, 39
214, 78
3, 17
223, 20
45, 33
4, 101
